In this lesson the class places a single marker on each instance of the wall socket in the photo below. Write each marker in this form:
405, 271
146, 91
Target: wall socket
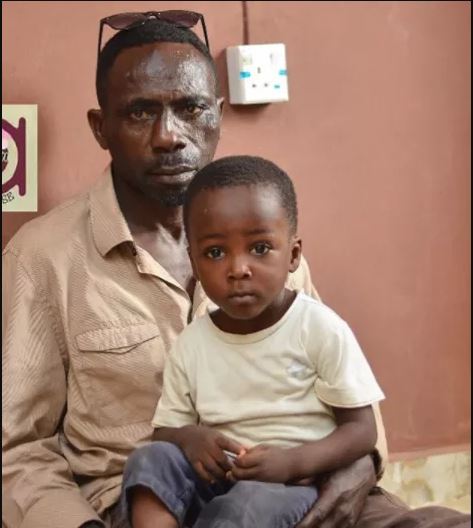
257, 74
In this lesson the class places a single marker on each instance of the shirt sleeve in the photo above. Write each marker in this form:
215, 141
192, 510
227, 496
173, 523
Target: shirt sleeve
344, 377
175, 407
38, 487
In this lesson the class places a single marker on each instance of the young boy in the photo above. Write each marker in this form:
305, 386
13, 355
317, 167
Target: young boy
263, 393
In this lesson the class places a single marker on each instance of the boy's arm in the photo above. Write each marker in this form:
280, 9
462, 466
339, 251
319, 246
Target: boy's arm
301, 280
344, 491
354, 437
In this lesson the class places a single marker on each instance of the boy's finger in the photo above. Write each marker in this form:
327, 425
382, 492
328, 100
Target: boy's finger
229, 445
213, 468
229, 476
202, 472
221, 459
248, 460
258, 448
244, 473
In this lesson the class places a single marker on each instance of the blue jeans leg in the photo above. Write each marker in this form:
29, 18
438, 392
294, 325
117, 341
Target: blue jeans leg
163, 468
251, 504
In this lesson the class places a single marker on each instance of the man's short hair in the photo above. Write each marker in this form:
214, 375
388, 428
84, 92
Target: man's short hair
233, 171
153, 30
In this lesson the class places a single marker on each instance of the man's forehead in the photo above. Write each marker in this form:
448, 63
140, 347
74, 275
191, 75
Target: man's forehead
159, 57
162, 66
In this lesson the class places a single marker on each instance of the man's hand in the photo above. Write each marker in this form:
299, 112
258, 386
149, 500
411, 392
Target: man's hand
266, 464
204, 447
342, 496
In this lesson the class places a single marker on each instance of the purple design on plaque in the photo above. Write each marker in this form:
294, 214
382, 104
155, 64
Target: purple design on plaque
18, 136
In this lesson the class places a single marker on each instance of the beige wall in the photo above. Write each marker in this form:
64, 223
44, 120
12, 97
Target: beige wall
377, 138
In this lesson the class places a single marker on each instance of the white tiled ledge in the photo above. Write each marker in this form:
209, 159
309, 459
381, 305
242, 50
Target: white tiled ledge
442, 479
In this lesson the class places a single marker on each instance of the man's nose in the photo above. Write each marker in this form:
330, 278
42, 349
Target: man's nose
166, 135
239, 269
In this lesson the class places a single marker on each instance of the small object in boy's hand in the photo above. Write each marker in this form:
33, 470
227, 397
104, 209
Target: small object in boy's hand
231, 456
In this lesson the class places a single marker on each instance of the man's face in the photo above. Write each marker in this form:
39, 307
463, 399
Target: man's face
161, 121
242, 249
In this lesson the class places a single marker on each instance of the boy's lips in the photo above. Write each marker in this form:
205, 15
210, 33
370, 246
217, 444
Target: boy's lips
242, 297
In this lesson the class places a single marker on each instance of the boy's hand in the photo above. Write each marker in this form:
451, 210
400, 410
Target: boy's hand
266, 464
204, 447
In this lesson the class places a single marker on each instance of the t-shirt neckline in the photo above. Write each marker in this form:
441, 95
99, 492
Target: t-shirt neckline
253, 337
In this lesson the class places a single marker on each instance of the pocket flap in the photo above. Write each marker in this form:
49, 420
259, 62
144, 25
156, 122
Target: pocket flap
116, 339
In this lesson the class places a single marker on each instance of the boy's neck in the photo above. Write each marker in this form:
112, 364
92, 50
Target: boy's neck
249, 326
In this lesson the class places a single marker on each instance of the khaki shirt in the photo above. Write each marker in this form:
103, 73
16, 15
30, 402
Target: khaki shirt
88, 320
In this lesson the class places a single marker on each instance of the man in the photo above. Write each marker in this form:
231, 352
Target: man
96, 291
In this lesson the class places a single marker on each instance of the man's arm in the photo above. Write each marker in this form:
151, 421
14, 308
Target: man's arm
342, 496
38, 486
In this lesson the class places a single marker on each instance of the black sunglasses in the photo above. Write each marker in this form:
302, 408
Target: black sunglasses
182, 19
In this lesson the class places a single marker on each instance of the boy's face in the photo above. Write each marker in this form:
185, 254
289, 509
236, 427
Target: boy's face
242, 249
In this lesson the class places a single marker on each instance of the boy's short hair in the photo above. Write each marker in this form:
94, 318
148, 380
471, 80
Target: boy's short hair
233, 171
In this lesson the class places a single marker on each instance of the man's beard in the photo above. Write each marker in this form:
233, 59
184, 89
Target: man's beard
171, 197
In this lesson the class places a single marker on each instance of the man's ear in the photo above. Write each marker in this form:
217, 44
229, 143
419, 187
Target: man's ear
296, 253
96, 123
220, 103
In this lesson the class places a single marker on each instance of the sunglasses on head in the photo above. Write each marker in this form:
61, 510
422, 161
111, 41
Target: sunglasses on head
182, 19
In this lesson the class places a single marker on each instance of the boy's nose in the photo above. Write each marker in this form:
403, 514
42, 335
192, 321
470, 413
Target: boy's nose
239, 269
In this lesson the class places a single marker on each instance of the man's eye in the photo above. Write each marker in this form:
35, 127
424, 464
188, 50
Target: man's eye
215, 253
193, 109
140, 115
260, 249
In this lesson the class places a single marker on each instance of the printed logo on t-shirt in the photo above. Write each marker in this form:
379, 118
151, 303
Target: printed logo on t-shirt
297, 370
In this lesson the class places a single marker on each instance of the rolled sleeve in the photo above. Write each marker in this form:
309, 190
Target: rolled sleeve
38, 487
59, 509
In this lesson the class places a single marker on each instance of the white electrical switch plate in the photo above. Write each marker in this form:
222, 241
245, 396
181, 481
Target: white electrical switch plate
257, 73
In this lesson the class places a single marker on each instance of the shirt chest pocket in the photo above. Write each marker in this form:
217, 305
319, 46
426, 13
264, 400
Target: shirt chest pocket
119, 372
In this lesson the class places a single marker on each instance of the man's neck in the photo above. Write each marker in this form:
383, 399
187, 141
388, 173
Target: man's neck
146, 215
159, 230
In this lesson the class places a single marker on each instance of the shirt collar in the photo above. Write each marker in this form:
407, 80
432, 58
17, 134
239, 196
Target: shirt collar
108, 224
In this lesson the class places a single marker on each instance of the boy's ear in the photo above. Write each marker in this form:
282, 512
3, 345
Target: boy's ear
296, 253
194, 271
95, 118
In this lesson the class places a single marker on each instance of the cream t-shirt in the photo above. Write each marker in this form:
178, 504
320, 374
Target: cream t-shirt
275, 386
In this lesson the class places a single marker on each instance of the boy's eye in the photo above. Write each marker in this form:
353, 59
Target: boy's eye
214, 253
260, 249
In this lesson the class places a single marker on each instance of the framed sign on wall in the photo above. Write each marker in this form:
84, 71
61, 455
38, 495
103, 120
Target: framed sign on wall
19, 158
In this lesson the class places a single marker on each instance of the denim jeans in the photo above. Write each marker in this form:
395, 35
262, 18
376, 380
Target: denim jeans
163, 468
